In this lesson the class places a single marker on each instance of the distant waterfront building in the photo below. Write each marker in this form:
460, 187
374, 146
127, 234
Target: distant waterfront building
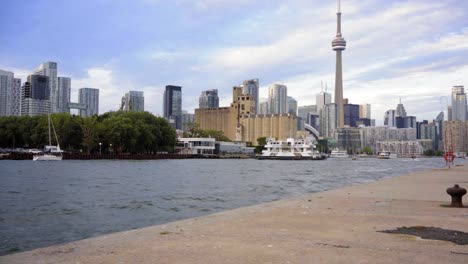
459, 104
35, 96
10, 94
172, 105
64, 93
328, 120
389, 118
351, 115
89, 97
264, 108
365, 111
133, 101
240, 123
49, 69
252, 87
349, 139
208, 99
400, 110
292, 105
439, 123
429, 131
322, 99
456, 132
277, 98
197, 145
370, 135
303, 111
401, 148
187, 118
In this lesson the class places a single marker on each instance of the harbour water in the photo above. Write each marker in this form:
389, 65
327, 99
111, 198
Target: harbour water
47, 203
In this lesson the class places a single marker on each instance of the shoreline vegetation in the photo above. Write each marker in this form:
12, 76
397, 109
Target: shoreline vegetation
109, 133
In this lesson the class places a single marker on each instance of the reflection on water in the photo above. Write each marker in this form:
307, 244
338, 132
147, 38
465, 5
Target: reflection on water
45, 203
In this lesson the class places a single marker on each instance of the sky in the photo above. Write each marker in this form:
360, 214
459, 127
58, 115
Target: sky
415, 50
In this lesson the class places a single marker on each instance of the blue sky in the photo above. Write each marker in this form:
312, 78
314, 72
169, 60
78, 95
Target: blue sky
413, 49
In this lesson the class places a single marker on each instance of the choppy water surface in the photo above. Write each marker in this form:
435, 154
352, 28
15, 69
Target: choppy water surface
46, 203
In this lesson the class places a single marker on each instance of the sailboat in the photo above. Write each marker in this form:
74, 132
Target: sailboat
51, 152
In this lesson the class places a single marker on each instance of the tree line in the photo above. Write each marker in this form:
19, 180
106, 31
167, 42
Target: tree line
118, 132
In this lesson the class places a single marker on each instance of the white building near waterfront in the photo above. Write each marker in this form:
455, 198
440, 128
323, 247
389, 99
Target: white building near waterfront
90, 98
49, 69
10, 94
400, 148
197, 145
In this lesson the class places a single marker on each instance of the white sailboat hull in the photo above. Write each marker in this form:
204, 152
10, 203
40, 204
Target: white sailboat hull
46, 157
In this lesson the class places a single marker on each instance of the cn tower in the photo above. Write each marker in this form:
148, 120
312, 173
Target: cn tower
338, 45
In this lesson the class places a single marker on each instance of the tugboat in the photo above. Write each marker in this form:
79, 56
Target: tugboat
291, 149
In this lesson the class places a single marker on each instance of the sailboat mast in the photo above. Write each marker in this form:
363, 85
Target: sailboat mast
50, 139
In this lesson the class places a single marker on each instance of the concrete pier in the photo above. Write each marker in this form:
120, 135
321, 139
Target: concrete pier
338, 226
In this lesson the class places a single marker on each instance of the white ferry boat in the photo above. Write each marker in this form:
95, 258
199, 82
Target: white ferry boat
337, 153
291, 149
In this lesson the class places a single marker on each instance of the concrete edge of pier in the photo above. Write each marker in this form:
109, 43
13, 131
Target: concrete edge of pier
337, 226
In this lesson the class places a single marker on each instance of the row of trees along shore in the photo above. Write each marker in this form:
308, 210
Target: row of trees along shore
118, 132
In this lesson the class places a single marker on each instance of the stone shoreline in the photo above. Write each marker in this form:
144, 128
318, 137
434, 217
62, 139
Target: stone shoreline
337, 226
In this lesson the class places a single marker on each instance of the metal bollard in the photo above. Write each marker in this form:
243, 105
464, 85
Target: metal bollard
457, 193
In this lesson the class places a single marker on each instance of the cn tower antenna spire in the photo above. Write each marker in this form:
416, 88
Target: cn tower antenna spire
339, 6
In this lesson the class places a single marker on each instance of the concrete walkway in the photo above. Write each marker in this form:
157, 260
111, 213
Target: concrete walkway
337, 226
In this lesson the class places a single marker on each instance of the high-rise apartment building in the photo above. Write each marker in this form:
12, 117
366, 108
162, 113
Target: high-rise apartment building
252, 88
292, 105
365, 111
10, 94
208, 99
64, 92
89, 97
277, 99
49, 69
303, 111
133, 101
35, 96
459, 103
172, 105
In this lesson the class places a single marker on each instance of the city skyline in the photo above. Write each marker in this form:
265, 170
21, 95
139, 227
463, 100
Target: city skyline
420, 65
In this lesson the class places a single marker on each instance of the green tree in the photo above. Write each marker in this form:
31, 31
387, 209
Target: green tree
429, 152
367, 150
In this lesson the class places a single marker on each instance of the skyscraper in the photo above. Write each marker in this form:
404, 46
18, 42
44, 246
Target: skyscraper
133, 101
339, 44
208, 99
459, 107
49, 69
35, 96
321, 99
389, 118
252, 88
89, 97
328, 115
10, 89
365, 111
400, 110
64, 92
292, 105
351, 114
172, 105
187, 118
264, 107
277, 99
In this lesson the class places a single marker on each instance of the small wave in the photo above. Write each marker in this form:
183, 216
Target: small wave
133, 205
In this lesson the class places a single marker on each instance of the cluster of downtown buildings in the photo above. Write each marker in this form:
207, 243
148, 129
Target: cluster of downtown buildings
43, 92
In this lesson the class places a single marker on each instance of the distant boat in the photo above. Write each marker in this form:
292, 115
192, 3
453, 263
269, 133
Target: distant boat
336, 153
51, 152
386, 155
291, 149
